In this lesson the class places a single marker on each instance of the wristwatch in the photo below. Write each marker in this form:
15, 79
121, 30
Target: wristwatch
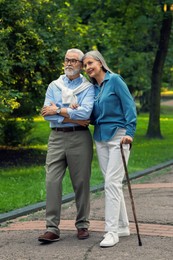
58, 110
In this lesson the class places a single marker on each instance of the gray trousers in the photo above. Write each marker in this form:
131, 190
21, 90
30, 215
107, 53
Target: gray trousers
75, 151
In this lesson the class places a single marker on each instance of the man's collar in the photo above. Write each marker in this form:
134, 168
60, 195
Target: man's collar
66, 78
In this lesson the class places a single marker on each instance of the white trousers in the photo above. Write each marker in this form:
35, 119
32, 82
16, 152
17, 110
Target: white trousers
111, 164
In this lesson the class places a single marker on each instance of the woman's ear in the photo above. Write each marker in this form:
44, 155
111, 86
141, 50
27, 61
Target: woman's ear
101, 65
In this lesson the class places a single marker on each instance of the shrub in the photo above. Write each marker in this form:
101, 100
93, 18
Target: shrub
14, 132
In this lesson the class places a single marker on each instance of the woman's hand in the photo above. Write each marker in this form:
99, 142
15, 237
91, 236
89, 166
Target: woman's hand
79, 122
83, 122
126, 139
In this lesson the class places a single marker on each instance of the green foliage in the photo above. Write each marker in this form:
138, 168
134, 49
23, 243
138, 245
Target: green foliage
39, 133
8, 102
35, 36
127, 34
32, 45
15, 132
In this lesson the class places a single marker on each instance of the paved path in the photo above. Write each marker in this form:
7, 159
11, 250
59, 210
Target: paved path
168, 102
154, 207
98, 225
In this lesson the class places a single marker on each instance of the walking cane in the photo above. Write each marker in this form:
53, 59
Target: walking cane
130, 192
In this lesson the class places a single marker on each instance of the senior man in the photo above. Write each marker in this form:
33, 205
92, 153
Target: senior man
68, 106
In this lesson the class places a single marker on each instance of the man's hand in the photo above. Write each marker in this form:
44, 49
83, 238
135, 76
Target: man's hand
74, 106
49, 110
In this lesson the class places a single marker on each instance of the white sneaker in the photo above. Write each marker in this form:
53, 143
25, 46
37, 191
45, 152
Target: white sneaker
123, 231
110, 239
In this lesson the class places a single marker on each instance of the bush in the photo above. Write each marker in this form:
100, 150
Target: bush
14, 132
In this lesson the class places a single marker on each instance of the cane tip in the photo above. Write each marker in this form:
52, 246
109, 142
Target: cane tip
140, 243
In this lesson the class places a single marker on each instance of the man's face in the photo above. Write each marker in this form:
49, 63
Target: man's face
72, 65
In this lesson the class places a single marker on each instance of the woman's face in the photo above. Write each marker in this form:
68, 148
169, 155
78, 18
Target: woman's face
92, 67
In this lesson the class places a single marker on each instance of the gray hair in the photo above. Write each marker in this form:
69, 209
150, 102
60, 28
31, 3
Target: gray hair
98, 56
79, 52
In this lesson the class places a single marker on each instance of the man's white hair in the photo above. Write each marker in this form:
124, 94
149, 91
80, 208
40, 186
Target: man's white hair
79, 52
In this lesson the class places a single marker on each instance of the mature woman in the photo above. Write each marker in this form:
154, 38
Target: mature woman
114, 119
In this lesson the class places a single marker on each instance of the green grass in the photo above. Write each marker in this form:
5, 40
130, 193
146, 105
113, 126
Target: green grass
20, 187
23, 185
149, 152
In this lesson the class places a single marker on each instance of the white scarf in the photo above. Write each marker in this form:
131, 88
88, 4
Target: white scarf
69, 95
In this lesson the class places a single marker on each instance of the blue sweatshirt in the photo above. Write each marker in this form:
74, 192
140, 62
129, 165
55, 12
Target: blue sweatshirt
114, 108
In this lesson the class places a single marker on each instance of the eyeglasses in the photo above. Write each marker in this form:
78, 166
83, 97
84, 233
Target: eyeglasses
72, 61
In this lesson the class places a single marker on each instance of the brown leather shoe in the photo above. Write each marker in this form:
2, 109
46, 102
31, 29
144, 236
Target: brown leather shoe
82, 233
48, 237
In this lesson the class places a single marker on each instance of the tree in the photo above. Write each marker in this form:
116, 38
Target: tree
34, 38
127, 33
157, 72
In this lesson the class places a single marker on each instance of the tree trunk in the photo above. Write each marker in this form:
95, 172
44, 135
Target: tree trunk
156, 78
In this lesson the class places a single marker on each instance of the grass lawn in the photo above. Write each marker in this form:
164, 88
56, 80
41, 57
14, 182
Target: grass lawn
22, 172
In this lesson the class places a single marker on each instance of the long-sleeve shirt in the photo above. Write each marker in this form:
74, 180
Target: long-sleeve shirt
114, 108
85, 102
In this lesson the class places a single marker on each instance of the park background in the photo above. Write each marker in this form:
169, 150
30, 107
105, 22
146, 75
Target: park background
135, 38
